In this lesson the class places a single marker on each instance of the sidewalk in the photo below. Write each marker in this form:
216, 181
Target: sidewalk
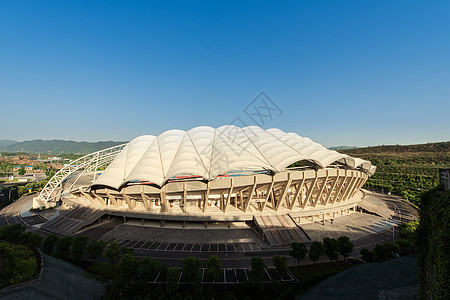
355, 226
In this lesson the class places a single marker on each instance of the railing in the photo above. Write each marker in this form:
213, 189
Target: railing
83, 165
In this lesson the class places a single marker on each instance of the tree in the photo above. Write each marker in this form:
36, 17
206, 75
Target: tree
315, 251
78, 246
23, 238
345, 246
149, 267
330, 246
386, 251
258, 267
113, 252
11, 233
126, 268
173, 276
367, 255
433, 244
50, 243
191, 269
124, 250
63, 247
30, 239
406, 247
21, 171
214, 267
279, 262
408, 230
298, 251
35, 240
95, 249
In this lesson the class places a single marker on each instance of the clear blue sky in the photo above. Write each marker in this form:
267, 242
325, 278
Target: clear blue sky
342, 72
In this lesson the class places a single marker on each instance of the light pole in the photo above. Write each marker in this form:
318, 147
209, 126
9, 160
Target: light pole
393, 233
399, 212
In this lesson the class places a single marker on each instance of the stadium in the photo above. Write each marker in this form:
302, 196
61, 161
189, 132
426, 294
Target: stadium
228, 174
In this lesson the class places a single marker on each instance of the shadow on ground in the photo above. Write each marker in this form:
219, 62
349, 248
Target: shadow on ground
392, 279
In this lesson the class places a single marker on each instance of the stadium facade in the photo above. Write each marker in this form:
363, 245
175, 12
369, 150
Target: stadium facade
223, 174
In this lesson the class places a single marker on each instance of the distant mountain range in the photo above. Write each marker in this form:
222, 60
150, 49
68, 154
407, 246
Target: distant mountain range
72, 147
55, 146
438, 147
342, 147
4, 143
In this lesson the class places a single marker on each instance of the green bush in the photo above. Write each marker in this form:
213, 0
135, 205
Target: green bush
11, 233
408, 230
18, 264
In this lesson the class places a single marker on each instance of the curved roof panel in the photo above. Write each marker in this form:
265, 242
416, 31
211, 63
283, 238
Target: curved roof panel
209, 152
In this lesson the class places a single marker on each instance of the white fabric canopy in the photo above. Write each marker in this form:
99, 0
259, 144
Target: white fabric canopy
208, 152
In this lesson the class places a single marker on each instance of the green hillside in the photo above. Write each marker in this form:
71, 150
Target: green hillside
4, 143
407, 170
59, 146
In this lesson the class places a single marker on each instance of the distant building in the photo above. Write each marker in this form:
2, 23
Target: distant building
444, 177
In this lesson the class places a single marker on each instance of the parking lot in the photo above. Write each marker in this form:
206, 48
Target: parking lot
185, 247
228, 276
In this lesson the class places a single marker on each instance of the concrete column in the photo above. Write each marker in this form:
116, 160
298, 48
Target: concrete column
124, 219
142, 222
162, 223
184, 224
109, 217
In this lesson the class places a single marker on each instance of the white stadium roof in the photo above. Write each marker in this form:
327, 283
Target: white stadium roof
209, 152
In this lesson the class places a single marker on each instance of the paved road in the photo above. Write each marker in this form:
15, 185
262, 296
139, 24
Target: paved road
404, 211
9, 215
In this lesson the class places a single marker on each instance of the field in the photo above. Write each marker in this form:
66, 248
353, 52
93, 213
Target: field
406, 171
